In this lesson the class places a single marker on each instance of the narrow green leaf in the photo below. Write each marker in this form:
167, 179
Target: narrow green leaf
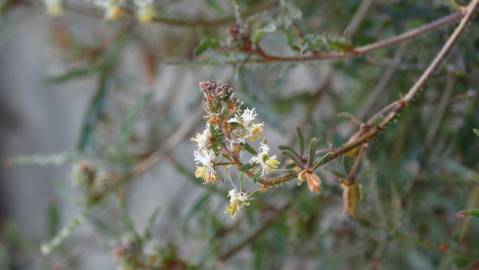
215, 6
205, 44
312, 151
246, 167
250, 149
322, 160
260, 33
71, 74
46, 159
470, 213
289, 149
300, 141
293, 157
257, 177
53, 219
151, 224
94, 112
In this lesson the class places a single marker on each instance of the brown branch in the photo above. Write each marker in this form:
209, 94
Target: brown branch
252, 237
354, 52
402, 103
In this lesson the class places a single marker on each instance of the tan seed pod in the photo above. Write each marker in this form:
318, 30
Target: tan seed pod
313, 181
351, 197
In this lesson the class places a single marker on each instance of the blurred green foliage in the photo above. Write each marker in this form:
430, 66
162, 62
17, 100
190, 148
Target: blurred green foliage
414, 178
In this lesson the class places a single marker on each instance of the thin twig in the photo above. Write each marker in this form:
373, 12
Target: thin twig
354, 52
402, 103
252, 237
357, 19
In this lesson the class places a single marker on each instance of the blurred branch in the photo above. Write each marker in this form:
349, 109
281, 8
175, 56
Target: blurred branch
255, 234
399, 105
354, 52
358, 17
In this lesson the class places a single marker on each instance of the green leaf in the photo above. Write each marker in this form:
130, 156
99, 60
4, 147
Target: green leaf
322, 160
205, 44
257, 177
285, 148
293, 157
339, 44
151, 223
249, 148
46, 159
246, 167
260, 33
215, 6
53, 219
470, 213
71, 74
312, 151
300, 140
60, 237
476, 131
94, 112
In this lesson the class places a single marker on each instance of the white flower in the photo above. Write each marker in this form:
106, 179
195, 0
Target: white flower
113, 9
203, 139
250, 130
146, 10
54, 7
248, 116
267, 163
205, 157
238, 200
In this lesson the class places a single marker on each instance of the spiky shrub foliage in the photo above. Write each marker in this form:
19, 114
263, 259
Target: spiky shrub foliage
367, 162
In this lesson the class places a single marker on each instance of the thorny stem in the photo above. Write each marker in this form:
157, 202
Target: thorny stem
354, 52
402, 103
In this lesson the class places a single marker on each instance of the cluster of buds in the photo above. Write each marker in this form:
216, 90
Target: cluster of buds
146, 10
91, 179
114, 9
230, 127
239, 37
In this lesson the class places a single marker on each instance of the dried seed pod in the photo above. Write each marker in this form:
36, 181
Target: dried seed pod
351, 197
313, 181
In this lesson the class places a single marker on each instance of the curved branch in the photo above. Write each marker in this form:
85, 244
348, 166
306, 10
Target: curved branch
406, 36
402, 103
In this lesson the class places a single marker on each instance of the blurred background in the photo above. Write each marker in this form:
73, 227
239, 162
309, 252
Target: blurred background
82, 92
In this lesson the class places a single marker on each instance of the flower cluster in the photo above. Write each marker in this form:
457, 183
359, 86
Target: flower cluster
114, 9
54, 7
92, 180
264, 160
230, 127
146, 10
238, 200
